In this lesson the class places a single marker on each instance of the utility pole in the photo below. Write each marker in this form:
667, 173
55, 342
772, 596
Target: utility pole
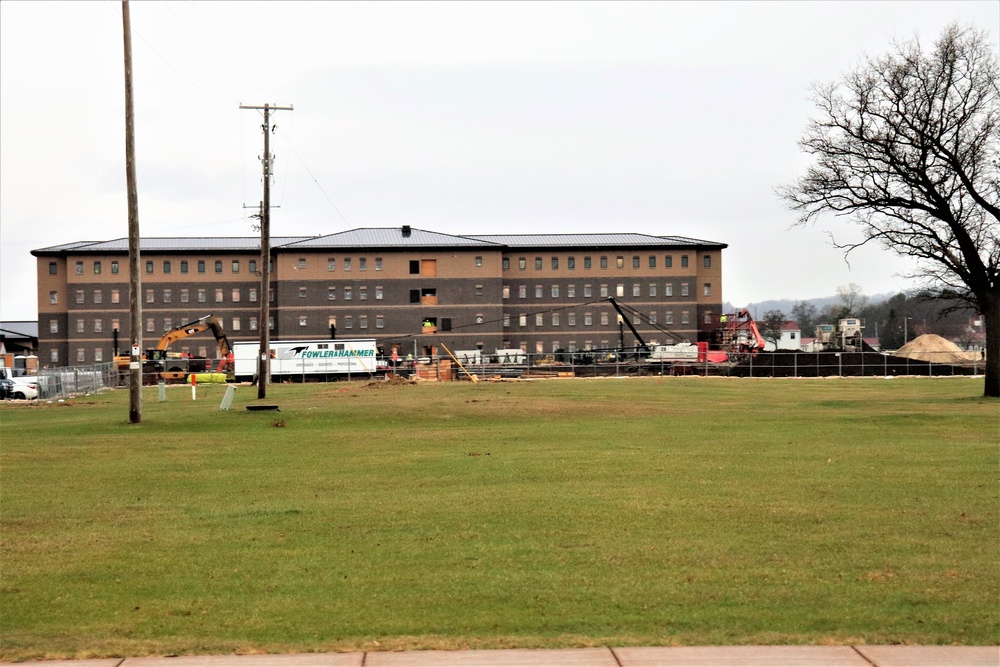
263, 362
135, 280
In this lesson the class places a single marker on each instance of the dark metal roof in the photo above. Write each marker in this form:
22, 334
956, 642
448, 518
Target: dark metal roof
20, 329
388, 237
593, 240
380, 237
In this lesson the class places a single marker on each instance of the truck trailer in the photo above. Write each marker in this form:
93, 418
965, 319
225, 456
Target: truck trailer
308, 359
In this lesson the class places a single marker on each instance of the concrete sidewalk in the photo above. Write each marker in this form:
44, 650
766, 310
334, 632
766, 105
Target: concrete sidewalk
673, 656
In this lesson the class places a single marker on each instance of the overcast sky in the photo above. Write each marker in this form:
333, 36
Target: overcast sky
667, 118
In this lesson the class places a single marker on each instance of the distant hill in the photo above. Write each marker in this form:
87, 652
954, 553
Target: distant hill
758, 308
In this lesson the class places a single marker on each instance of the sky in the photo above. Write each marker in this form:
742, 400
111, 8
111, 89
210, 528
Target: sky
662, 118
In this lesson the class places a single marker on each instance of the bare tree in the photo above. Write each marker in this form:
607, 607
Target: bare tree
852, 299
907, 146
804, 313
770, 326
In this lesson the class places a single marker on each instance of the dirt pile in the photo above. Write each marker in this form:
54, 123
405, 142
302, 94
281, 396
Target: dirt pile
931, 347
390, 381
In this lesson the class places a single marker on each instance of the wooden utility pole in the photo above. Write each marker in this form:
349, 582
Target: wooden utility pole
263, 361
135, 280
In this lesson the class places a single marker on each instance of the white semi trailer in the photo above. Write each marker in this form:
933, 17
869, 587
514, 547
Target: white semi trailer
308, 359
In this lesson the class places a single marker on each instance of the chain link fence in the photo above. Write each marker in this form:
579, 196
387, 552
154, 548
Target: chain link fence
66, 381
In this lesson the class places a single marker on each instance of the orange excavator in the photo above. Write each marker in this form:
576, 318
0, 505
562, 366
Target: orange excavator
738, 334
156, 358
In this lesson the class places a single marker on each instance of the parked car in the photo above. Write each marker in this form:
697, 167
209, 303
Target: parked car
6, 390
24, 388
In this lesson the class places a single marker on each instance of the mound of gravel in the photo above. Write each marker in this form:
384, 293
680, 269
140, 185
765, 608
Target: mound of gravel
931, 347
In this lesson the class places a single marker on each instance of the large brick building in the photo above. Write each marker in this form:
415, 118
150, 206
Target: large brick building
409, 289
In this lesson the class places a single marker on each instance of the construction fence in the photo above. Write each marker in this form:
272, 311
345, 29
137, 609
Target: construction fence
67, 381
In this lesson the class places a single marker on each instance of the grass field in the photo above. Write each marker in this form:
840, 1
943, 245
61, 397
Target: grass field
515, 514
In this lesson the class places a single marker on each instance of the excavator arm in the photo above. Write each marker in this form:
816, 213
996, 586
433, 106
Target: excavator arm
207, 323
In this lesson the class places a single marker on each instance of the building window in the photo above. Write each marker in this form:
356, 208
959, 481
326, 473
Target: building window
555, 263
708, 289
571, 263
98, 355
539, 319
149, 267
586, 262
98, 296
303, 321
668, 261
168, 324
652, 261
684, 289
347, 294
522, 320
378, 263
53, 268
538, 291
604, 291
506, 319
81, 355
620, 262
479, 290
522, 263
79, 268
604, 262
80, 326
684, 317
270, 324
652, 289
379, 321
347, 264
505, 291
331, 293
302, 292
708, 320
522, 291
604, 318
184, 266
252, 294
379, 293
236, 266
302, 262
588, 319
570, 291
54, 356
185, 295
362, 263
636, 289
218, 295
669, 317
555, 319
201, 295
149, 296
150, 325
414, 267
479, 260
115, 296
362, 321
115, 325
668, 289
98, 326
571, 319
538, 264
253, 324
652, 317
252, 266
166, 266
218, 266
348, 322
236, 295
708, 261
635, 261
97, 267
114, 267
236, 324
505, 263
587, 291
201, 266
331, 264
684, 261
53, 326
167, 296
363, 293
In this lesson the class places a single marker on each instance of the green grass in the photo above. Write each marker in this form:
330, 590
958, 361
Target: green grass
550, 513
